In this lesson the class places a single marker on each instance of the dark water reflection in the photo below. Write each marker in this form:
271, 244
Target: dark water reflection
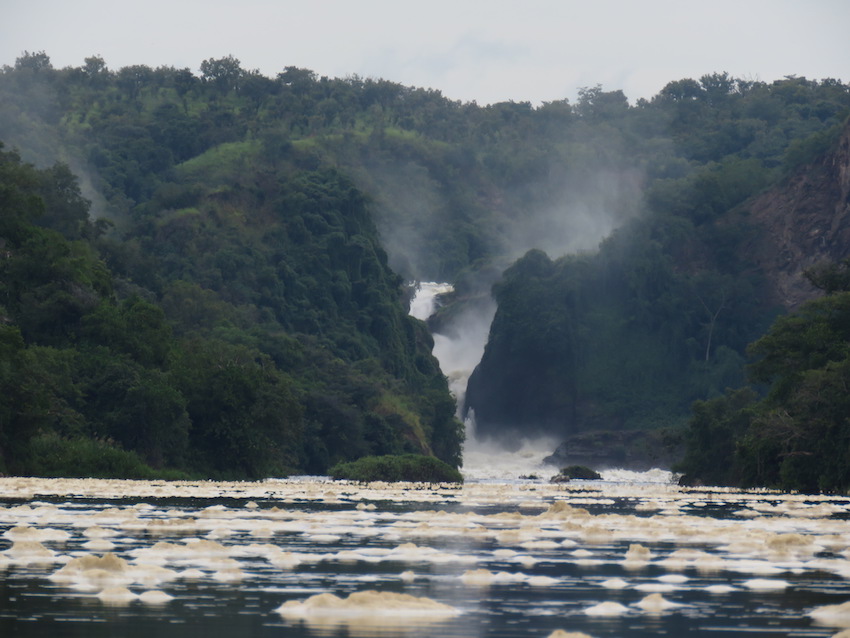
777, 557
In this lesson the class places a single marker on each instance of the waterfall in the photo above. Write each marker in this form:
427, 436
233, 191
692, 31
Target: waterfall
424, 302
461, 346
459, 349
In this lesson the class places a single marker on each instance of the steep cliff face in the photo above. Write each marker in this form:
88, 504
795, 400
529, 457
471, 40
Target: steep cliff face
804, 221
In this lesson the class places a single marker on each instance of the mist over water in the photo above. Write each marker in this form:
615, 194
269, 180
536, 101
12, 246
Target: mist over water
488, 460
584, 209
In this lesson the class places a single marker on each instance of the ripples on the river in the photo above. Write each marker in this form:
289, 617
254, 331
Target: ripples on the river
98, 558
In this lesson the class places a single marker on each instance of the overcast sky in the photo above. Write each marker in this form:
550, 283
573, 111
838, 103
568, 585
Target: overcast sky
487, 51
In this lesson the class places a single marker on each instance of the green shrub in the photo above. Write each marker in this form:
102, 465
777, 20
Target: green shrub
405, 467
578, 472
54, 456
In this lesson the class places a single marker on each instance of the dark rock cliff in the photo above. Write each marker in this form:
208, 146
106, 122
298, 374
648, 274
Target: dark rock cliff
804, 221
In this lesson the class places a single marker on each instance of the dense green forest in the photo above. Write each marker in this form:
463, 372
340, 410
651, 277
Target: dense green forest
630, 335
234, 314
797, 436
235, 360
208, 273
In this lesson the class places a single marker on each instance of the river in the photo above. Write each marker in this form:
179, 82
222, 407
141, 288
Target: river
630, 555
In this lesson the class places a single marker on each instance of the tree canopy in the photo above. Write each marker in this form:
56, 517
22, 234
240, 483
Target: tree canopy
228, 253
796, 437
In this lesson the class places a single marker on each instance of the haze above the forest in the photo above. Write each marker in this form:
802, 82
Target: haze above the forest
540, 50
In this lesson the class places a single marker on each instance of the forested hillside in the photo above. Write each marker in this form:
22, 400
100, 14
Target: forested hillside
797, 437
208, 272
236, 349
233, 315
661, 315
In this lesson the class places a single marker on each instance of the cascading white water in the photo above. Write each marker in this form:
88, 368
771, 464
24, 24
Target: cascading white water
459, 350
424, 302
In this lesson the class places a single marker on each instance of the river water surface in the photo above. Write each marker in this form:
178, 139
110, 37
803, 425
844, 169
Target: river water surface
631, 555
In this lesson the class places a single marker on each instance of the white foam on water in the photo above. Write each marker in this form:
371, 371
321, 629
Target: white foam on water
607, 608
486, 578
368, 607
39, 535
832, 615
290, 560
534, 523
656, 587
30, 553
266, 532
655, 476
193, 573
656, 603
542, 581
97, 572
614, 583
229, 575
155, 597
99, 545
637, 556
324, 538
116, 595
219, 532
423, 303
489, 461
410, 553
540, 545
99, 532
766, 584
760, 567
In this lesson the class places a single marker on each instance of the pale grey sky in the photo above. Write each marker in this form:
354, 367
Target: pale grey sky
487, 51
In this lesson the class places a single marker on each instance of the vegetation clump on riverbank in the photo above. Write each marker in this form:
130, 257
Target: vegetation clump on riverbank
414, 468
579, 472
795, 437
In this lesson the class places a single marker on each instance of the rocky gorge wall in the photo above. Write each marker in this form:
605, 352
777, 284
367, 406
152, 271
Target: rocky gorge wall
802, 222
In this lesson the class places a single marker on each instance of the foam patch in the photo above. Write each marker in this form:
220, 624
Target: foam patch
656, 603
117, 595
832, 615
607, 608
766, 584
367, 606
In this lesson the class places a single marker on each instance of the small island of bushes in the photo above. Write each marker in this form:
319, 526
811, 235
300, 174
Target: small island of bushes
415, 468
579, 472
